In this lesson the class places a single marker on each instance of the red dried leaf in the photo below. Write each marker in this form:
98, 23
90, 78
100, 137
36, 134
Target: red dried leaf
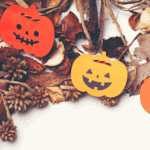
9, 2
6, 52
3, 115
71, 26
45, 79
33, 65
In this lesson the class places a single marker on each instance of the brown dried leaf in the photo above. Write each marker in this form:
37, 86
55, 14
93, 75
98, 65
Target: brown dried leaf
2, 73
142, 72
5, 52
66, 6
33, 65
113, 46
45, 79
51, 3
9, 2
3, 115
142, 52
134, 21
71, 26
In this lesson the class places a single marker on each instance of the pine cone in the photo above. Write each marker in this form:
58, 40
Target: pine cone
17, 98
70, 91
16, 68
110, 101
8, 131
40, 97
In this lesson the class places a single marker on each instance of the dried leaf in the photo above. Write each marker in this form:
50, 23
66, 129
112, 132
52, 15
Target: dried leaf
22, 3
3, 115
51, 3
71, 26
2, 73
57, 56
141, 74
9, 2
113, 46
45, 79
5, 52
33, 65
66, 5
134, 21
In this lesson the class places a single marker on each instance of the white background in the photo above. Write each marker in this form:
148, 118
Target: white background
86, 124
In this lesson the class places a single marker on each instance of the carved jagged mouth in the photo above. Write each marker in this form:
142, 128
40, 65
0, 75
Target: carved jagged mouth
25, 41
94, 84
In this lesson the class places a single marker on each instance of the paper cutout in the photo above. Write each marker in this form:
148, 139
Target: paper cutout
145, 95
98, 75
26, 29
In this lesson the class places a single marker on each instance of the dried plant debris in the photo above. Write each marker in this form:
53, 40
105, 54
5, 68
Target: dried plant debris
33, 65
40, 97
142, 52
45, 79
89, 19
3, 115
142, 73
109, 101
9, 2
63, 92
6, 52
113, 46
17, 98
16, 68
8, 131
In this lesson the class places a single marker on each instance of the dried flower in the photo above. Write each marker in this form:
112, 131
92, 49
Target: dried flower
15, 68
17, 98
40, 97
8, 131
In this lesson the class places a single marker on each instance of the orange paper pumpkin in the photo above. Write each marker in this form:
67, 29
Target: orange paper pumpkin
26, 29
99, 76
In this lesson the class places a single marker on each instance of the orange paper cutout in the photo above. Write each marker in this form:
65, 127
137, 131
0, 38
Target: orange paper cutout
26, 29
98, 75
145, 95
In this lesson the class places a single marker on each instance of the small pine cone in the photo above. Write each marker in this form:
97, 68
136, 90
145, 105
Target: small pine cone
109, 101
8, 131
70, 91
15, 68
17, 98
40, 97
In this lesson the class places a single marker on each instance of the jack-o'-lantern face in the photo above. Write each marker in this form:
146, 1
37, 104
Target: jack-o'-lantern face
98, 75
26, 29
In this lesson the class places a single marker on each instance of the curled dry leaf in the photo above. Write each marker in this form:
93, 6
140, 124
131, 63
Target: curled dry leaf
51, 3
3, 115
142, 52
57, 56
144, 24
64, 67
33, 65
71, 26
134, 21
45, 79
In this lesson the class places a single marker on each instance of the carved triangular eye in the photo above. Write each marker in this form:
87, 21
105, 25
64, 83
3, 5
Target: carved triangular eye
89, 71
107, 75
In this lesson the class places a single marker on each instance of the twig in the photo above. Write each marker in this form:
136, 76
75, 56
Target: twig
115, 22
129, 45
16, 82
102, 20
6, 107
22, 3
80, 8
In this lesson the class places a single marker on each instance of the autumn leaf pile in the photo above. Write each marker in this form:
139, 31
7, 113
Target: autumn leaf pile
24, 83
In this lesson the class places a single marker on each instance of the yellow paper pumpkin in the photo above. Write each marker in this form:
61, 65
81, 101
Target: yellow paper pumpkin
98, 75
